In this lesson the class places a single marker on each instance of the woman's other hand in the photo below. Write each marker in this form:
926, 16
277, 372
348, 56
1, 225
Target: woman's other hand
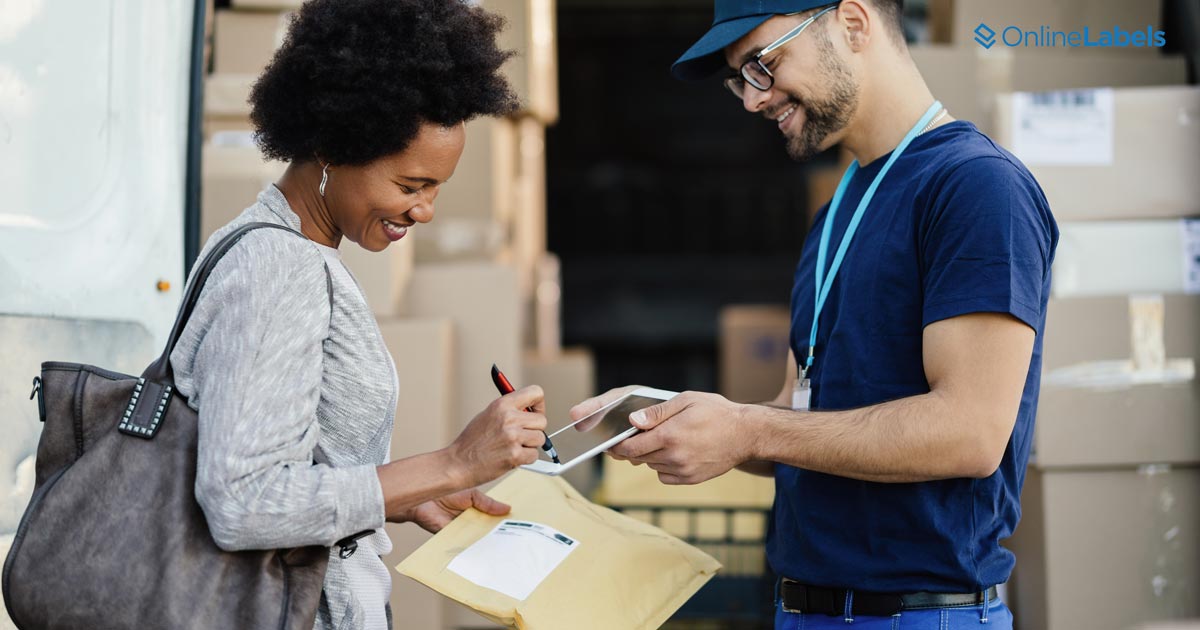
433, 515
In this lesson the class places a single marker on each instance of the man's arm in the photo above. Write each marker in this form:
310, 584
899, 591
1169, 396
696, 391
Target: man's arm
976, 365
765, 468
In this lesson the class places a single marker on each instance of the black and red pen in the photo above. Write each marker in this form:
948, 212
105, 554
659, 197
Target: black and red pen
505, 387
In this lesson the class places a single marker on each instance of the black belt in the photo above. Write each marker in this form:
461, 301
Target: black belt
799, 597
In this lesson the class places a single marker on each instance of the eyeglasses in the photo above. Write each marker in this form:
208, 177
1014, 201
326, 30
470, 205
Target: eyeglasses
754, 72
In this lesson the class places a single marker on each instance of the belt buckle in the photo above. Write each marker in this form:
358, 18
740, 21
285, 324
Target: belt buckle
782, 600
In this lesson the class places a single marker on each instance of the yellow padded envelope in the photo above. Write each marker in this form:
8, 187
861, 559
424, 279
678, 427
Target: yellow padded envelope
621, 574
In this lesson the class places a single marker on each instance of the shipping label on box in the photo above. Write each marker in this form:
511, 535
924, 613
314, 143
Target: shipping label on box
1067, 127
1191, 255
1149, 173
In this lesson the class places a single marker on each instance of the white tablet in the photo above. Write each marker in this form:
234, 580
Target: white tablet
591, 435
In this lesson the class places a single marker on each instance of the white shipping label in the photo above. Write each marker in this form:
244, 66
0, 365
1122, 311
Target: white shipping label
514, 557
1191, 255
1070, 127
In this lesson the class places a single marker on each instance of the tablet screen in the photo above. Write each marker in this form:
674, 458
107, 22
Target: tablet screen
576, 439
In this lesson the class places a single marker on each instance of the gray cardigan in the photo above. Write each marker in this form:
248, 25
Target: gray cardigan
272, 373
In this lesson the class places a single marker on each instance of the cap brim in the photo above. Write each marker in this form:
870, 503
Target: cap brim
705, 58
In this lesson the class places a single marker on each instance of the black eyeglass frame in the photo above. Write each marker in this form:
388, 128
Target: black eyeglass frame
736, 83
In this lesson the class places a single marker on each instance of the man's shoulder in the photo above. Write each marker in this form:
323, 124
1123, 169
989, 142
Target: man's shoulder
967, 153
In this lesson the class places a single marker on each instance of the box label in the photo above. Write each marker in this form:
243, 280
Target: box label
1066, 128
514, 557
1191, 256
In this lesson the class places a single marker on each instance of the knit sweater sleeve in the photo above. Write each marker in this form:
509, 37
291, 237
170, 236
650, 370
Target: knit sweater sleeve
250, 362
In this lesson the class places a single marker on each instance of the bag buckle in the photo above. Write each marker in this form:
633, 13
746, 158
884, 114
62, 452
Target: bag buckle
348, 545
37, 391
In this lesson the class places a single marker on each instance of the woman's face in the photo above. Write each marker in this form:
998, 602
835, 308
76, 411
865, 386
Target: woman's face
374, 204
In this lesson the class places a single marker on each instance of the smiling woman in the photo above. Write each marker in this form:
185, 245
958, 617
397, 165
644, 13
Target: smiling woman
282, 358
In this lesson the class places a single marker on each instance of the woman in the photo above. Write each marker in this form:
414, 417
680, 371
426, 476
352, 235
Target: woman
366, 100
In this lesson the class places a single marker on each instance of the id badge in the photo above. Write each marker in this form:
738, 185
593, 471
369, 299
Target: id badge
801, 394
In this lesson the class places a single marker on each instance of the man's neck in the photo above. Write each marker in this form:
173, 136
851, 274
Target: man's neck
888, 108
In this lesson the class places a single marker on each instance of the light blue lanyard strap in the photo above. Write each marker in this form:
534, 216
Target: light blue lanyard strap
825, 282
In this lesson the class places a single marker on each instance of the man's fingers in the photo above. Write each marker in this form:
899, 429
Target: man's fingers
488, 505
590, 405
638, 446
650, 417
668, 479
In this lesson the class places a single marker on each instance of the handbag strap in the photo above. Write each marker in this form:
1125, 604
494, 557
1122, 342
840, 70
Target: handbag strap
160, 370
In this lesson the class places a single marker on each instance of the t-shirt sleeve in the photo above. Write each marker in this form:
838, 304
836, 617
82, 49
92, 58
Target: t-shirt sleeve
986, 244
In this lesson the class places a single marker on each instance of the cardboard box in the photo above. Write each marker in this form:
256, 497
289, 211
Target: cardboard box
967, 78
231, 178
423, 350
245, 41
473, 210
228, 132
528, 222
625, 485
544, 332
1030, 15
1099, 328
533, 72
1096, 407
1119, 257
383, 276
568, 379
482, 301
228, 95
266, 5
1138, 161
1101, 426
1106, 549
754, 346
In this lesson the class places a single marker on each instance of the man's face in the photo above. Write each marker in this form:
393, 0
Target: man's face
814, 93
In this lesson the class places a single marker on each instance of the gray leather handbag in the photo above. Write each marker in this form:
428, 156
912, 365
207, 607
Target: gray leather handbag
113, 536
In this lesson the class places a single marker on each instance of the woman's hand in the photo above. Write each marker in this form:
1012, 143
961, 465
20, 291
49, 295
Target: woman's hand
502, 437
433, 515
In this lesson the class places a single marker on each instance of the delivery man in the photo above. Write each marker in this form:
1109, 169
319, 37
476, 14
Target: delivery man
899, 442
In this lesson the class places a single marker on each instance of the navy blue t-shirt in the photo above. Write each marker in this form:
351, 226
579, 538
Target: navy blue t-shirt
957, 226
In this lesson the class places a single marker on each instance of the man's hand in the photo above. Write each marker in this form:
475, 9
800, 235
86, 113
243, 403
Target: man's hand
594, 404
703, 438
433, 515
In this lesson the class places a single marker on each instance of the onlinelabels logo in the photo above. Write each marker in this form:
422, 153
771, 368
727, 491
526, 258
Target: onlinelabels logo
1046, 37
985, 36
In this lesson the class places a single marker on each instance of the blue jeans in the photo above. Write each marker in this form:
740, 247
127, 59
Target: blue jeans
964, 618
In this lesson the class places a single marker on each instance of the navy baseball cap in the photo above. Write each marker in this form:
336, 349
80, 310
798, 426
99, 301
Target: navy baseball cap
732, 19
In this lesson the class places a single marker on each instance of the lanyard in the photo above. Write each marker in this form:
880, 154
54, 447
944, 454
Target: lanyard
825, 282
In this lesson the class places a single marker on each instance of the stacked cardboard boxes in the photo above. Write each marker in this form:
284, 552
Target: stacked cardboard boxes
967, 78
1107, 537
753, 345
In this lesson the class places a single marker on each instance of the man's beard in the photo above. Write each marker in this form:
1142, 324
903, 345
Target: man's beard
828, 115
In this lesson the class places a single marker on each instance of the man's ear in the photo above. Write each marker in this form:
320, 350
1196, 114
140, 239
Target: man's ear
856, 23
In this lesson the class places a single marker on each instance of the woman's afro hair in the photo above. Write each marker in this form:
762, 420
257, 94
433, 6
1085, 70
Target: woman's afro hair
355, 79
